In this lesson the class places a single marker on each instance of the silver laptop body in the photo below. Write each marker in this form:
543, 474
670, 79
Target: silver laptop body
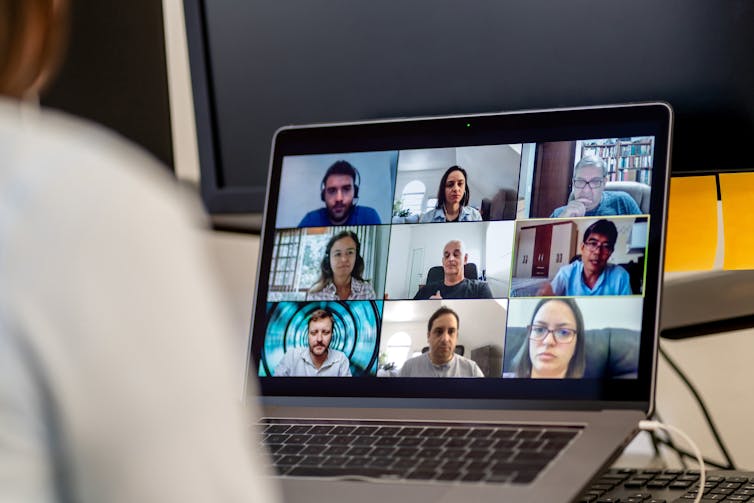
520, 169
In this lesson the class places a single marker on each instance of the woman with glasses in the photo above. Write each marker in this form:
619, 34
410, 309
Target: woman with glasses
341, 270
588, 195
453, 199
554, 348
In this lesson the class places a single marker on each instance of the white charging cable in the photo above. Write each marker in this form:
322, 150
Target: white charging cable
647, 425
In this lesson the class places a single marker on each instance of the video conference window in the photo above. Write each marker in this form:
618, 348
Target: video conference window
599, 177
336, 189
450, 261
321, 339
453, 338
579, 257
573, 338
359, 285
329, 263
463, 184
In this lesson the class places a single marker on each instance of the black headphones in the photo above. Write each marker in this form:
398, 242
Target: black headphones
341, 168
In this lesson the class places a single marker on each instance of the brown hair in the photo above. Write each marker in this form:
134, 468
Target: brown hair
32, 41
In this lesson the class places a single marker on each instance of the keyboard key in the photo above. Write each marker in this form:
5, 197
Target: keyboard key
335, 450
405, 452
405, 463
299, 429
312, 460
276, 428
364, 440
456, 432
342, 440
505, 433
290, 449
358, 451
276, 439
529, 434
310, 471
343, 430
335, 461
366, 430
290, 460
410, 432
321, 430
297, 439
480, 433
434, 442
387, 431
429, 453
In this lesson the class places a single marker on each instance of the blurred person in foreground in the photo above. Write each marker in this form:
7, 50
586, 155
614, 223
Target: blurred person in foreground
114, 346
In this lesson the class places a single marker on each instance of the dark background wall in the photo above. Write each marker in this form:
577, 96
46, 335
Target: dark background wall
115, 71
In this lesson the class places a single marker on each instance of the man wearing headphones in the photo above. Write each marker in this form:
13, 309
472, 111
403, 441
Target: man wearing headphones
340, 187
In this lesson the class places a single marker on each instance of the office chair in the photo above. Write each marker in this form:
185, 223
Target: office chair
435, 273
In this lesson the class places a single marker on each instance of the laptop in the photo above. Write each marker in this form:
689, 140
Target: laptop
459, 308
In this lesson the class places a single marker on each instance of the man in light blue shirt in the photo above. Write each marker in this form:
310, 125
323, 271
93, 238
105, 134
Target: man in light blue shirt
318, 359
592, 275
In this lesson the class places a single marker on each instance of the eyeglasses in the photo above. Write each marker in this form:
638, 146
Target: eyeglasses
595, 246
594, 183
561, 335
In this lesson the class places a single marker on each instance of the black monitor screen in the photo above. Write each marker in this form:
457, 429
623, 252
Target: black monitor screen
259, 65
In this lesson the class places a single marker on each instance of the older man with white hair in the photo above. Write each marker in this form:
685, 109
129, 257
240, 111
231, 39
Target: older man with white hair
588, 195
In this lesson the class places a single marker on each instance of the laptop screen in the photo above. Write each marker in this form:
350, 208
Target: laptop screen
503, 256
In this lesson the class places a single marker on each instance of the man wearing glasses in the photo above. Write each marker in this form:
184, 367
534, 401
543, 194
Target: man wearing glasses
592, 275
588, 196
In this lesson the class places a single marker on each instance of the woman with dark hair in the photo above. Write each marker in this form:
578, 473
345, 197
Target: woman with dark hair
554, 348
341, 270
453, 199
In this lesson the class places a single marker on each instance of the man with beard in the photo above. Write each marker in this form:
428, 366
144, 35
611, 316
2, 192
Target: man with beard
318, 359
340, 187
441, 360
592, 275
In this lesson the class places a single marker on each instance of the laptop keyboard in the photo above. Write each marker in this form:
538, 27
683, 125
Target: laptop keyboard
447, 452
629, 485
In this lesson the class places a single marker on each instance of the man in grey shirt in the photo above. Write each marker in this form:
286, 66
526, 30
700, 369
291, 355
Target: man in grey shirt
454, 285
318, 359
441, 360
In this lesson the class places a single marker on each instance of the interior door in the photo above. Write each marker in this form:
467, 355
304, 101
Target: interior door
415, 278
542, 244
525, 254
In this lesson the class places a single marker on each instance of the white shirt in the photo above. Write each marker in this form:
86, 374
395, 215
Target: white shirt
422, 366
114, 344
